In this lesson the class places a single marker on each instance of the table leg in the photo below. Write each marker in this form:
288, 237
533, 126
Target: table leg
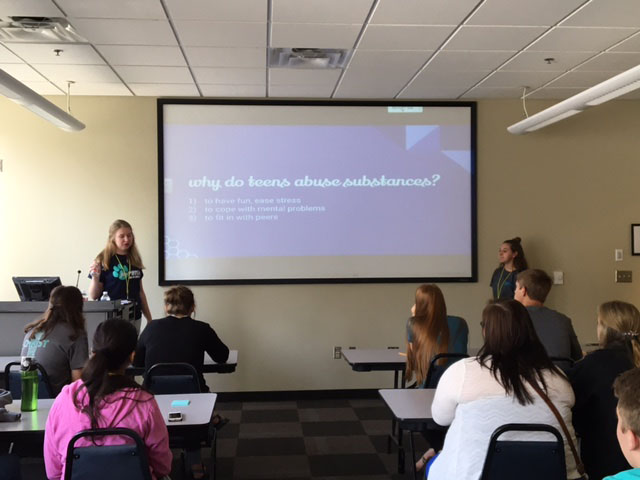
400, 451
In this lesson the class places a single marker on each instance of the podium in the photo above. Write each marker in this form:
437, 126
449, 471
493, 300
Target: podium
14, 316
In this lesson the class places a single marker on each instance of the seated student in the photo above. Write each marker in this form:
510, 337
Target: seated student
553, 328
58, 340
594, 415
105, 397
431, 331
178, 338
477, 395
626, 388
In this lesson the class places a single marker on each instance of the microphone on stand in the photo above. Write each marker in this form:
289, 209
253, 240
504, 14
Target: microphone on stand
78, 279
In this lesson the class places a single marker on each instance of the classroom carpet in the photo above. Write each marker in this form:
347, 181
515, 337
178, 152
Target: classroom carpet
328, 439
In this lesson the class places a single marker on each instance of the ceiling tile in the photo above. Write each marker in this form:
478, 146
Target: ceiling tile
226, 57
529, 61
404, 61
372, 82
217, 34
556, 93
607, 13
219, 10
138, 9
142, 55
630, 45
29, 8
164, 90
301, 91
493, 38
129, 32
137, 74
100, 89
321, 11
432, 77
302, 77
43, 53
493, 92
435, 92
22, 72
60, 74
578, 39
44, 88
233, 90
578, 79
6, 56
482, 60
510, 12
518, 80
422, 12
404, 37
612, 62
229, 76
313, 35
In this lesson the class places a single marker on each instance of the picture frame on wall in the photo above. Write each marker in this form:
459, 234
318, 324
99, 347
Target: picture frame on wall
635, 239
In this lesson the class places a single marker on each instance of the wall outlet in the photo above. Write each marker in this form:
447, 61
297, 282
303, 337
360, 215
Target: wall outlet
558, 277
624, 276
337, 353
618, 254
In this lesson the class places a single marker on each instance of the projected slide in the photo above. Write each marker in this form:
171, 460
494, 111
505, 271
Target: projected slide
273, 193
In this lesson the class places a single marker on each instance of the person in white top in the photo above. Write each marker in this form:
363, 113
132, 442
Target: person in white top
477, 395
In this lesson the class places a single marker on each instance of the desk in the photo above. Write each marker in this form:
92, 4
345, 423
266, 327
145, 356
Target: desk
387, 360
197, 414
209, 365
412, 410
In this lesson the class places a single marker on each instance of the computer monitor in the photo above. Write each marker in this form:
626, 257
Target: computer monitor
35, 289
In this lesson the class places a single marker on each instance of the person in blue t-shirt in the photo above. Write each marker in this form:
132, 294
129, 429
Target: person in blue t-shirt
626, 388
118, 270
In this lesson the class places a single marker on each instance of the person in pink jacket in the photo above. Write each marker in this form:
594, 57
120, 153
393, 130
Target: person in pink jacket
105, 397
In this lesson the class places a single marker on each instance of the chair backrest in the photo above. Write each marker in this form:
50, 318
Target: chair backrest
436, 371
171, 378
13, 381
563, 363
124, 462
525, 460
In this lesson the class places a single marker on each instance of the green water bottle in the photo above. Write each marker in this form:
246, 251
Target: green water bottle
29, 380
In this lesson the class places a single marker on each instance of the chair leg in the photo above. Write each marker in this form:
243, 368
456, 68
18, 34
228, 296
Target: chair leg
214, 452
413, 454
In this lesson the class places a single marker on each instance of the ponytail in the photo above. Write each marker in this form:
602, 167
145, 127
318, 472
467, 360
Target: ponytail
113, 343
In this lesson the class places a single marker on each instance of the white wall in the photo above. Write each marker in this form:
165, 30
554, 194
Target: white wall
570, 191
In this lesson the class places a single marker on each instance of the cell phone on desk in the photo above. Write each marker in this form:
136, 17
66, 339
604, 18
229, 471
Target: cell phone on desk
175, 416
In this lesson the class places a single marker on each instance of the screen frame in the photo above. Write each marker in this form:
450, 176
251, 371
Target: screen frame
162, 102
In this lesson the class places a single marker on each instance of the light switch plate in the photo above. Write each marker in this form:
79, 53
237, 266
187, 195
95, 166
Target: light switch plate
618, 254
558, 277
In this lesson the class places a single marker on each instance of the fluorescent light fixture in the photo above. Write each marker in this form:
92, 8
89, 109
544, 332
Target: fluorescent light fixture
596, 95
23, 95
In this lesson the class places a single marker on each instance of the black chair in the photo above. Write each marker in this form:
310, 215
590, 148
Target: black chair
13, 383
526, 459
436, 371
177, 378
172, 378
124, 462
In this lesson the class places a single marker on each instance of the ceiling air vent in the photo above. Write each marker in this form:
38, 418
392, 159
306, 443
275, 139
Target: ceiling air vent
319, 58
38, 30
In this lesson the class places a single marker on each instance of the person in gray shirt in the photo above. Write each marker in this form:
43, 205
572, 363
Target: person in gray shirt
554, 329
58, 340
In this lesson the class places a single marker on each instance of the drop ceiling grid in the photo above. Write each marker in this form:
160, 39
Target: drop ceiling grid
225, 41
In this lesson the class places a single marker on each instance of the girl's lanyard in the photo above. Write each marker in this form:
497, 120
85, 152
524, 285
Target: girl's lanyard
499, 289
127, 274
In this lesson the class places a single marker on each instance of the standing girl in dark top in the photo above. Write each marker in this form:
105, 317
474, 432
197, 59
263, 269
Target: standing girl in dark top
118, 270
594, 413
512, 262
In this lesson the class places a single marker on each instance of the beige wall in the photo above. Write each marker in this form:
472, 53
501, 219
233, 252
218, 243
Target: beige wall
570, 191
